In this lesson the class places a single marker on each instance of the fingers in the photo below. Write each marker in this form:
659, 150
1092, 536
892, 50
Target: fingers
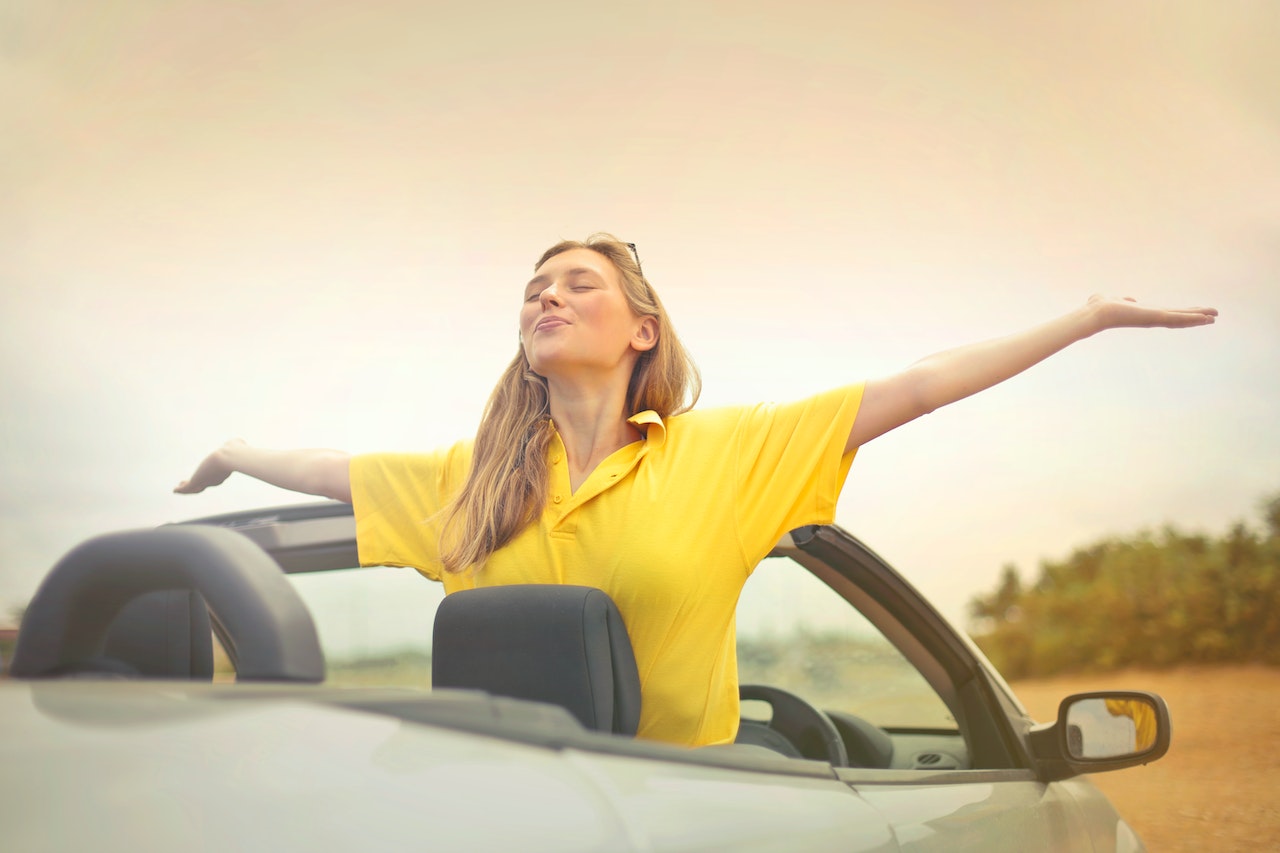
212, 471
1127, 311
1188, 317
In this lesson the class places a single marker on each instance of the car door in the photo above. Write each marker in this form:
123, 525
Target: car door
939, 760
991, 811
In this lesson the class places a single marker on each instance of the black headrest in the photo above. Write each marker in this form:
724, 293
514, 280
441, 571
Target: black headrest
164, 634
566, 645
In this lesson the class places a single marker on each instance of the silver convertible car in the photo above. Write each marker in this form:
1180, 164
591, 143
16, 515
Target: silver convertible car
236, 683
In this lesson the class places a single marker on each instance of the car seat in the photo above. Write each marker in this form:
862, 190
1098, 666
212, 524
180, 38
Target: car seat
566, 645
164, 634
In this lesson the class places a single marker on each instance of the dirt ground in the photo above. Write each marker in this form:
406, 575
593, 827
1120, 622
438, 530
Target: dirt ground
1219, 787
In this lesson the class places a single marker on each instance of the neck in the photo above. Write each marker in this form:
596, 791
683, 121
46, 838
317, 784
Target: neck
592, 423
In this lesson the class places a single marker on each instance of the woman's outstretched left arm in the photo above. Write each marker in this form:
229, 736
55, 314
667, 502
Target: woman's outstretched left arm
945, 377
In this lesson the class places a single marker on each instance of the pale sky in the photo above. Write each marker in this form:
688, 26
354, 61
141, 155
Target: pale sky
309, 224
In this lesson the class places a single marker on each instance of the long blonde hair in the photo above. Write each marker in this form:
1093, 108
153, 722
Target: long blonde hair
506, 488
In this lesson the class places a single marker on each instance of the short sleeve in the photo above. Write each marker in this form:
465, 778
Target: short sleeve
398, 498
791, 465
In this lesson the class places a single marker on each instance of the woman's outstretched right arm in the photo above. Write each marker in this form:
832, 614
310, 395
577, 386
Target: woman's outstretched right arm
313, 472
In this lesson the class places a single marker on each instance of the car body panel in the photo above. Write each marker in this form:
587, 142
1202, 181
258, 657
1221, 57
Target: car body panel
1004, 812
99, 764
155, 765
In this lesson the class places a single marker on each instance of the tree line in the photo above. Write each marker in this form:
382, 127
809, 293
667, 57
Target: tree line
1152, 599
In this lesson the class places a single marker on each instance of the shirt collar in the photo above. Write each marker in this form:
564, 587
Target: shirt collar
648, 422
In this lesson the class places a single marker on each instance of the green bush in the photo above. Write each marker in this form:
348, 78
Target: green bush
1153, 599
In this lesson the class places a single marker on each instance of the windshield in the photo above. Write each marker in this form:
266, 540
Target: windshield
794, 632
797, 633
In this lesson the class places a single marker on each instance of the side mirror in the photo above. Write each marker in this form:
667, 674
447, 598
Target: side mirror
1096, 732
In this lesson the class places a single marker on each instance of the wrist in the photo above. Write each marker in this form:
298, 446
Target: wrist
231, 454
1088, 319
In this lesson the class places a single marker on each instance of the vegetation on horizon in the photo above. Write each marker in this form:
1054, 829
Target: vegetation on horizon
1151, 599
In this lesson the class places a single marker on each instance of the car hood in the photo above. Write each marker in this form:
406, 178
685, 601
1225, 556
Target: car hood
102, 765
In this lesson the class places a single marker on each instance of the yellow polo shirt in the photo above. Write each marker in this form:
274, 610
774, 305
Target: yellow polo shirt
670, 527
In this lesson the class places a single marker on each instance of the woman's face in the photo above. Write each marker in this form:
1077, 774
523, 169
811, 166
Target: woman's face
576, 320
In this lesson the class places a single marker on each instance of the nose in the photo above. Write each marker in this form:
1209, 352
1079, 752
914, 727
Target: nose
551, 295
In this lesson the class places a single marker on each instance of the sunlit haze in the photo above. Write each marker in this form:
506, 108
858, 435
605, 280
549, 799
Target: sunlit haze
310, 224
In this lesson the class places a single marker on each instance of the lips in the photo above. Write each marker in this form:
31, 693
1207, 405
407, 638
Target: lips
550, 323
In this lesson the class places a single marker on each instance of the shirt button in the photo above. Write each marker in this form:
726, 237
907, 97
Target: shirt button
558, 499
555, 457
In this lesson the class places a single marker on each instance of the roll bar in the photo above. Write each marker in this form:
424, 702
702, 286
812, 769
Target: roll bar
267, 628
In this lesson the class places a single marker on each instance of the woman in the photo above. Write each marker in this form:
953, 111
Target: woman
589, 468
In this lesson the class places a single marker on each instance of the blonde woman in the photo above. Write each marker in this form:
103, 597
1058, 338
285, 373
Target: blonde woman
591, 467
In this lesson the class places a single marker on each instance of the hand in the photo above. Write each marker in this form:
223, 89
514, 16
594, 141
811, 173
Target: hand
215, 469
1113, 313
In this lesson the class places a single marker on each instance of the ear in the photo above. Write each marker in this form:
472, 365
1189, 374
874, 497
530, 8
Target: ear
645, 336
